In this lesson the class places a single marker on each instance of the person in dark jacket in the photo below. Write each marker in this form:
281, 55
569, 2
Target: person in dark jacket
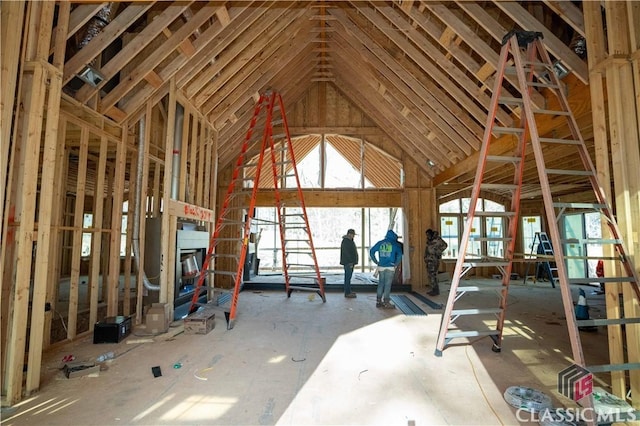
432, 253
387, 254
348, 258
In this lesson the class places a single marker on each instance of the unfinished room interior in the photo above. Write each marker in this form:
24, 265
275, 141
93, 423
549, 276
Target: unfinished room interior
177, 178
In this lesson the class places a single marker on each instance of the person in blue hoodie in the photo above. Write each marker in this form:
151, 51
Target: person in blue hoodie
387, 254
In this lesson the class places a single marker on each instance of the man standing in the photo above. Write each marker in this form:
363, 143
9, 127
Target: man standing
389, 256
432, 253
348, 258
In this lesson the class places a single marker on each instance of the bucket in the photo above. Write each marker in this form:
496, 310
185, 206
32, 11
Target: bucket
189, 266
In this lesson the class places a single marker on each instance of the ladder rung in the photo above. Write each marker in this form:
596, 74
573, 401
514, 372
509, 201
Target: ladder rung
500, 129
503, 159
224, 255
551, 112
469, 288
298, 287
589, 206
613, 367
597, 241
509, 100
454, 334
569, 172
540, 66
557, 140
218, 272
477, 311
612, 321
494, 214
542, 84
588, 280
485, 264
498, 186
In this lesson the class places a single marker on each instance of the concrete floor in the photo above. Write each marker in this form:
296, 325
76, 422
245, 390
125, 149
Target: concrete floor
298, 361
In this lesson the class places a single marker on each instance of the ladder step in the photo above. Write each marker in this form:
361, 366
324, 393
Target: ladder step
588, 280
455, 334
464, 289
491, 238
219, 272
478, 311
613, 367
562, 141
508, 100
612, 321
508, 130
224, 256
550, 112
303, 288
485, 264
509, 187
569, 172
542, 84
588, 206
502, 159
594, 241
494, 214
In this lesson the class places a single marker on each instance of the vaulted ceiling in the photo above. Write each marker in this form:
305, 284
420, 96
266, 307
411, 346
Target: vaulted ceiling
422, 71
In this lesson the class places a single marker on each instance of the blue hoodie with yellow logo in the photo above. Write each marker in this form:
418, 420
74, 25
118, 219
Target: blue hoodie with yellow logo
388, 250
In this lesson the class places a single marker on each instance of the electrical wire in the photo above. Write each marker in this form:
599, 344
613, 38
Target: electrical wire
62, 320
480, 386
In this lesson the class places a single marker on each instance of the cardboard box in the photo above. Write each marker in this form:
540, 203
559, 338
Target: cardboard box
157, 318
200, 322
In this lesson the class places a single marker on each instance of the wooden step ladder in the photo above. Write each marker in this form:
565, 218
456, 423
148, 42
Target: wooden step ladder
524, 54
267, 139
542, 249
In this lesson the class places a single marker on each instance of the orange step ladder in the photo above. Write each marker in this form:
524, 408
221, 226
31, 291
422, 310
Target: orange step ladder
267, 139
524, 55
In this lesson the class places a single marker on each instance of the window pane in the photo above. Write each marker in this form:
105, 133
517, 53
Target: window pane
594, 230
86, 244
573, 229
494, 229
474, 249
530, 225
308, 170
341, 173
492, 206
452, 206
450, 234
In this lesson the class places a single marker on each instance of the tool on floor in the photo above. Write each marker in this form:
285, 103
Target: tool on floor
544, 251
523, 54
267, 139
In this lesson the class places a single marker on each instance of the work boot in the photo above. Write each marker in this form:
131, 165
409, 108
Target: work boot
379, 303
435, 291
388, 305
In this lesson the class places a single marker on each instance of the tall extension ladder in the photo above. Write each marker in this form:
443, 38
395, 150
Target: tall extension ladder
267, 136
525, 54
544, 251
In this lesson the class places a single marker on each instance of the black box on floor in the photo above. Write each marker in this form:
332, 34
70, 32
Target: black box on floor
112, 329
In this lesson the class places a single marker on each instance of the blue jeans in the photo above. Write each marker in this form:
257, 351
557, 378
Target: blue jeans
385, 278
348, 273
